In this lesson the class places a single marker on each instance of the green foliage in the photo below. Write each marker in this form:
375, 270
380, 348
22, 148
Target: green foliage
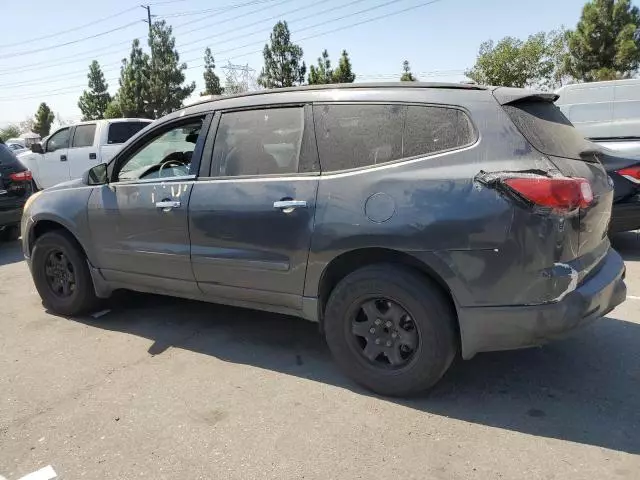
10, 131
93, 103
43, 120
134, 84
211, 80
166, 75
344, 73
283, 65
323, 73
603, 46
407, 76
113, 110
538, 61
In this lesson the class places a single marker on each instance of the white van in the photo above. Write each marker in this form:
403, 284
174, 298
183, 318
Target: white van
605, 112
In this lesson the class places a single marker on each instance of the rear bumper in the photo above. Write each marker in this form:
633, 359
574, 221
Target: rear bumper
485, 329
10, 217
625, 217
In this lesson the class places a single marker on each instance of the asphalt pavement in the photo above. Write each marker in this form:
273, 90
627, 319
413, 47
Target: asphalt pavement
172, 389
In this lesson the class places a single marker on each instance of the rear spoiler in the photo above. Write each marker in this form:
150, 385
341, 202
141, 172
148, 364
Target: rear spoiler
507, 95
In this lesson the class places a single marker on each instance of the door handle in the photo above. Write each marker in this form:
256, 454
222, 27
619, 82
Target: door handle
288, 206
63, 158
168, 205
92, 156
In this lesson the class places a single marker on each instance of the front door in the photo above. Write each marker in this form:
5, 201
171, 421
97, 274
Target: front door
53, 165
83, 151
139, 221
251, 220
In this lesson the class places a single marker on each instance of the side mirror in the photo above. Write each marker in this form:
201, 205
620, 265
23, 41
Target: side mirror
96, 175
37, 148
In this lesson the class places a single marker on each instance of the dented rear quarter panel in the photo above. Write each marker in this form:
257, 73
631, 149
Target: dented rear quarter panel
485, 248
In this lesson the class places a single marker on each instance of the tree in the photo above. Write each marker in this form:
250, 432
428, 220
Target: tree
407, 76
134, 84
538, 61
605, 44
43, 120
9, 131
283, 64
113, 110
211, 80
94, 102
27, 125
166, 75
323, 73
343, 73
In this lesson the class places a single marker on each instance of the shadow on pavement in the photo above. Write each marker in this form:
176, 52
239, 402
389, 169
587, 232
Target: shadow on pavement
10, 252
584, 389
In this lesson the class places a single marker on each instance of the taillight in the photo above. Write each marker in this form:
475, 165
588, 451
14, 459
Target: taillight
559, 193
21, 176
630, 173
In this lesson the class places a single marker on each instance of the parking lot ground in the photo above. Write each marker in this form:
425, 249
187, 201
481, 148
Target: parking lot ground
164, 388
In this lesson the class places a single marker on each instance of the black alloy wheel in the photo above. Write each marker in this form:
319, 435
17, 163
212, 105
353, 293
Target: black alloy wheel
60, 274
384, 333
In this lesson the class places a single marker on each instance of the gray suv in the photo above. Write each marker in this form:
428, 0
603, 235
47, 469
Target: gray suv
411, 221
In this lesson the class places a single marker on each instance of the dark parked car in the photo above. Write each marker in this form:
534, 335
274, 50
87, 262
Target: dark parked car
15, 188
625, 173
410, 221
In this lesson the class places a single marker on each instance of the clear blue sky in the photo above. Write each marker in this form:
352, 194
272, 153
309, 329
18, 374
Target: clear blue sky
440, 39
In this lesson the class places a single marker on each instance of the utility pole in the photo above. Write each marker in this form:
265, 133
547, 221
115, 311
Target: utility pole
148, 9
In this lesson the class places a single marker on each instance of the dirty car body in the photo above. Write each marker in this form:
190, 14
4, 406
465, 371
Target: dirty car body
436, 198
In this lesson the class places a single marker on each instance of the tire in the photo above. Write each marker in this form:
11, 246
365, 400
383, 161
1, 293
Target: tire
81, 297
427, 311
10, 233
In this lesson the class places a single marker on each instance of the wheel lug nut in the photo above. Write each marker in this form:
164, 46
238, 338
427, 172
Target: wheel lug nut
389, 343
372, 330
378, 321
394, 335
388, 324
377, 341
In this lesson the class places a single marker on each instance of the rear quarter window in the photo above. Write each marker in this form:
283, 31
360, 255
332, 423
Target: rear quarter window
120, 132
354, 136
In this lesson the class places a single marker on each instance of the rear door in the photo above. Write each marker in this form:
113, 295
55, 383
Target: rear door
251, 220
53, 167
83, 151
551, 133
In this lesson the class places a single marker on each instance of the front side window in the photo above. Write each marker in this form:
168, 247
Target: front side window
58, 140
258, 142
167, 154
83, 136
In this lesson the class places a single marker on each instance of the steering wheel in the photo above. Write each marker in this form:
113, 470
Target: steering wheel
177, 163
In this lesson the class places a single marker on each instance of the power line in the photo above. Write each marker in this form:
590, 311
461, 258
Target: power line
51, 47
67, 30
218, 9
343, 27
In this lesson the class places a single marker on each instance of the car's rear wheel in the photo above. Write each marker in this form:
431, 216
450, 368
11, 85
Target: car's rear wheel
390, 329
61, 275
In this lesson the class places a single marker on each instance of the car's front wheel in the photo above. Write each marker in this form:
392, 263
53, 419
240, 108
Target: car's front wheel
390, 329
61, 275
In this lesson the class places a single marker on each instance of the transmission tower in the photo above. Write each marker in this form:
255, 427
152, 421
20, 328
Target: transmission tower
239, 78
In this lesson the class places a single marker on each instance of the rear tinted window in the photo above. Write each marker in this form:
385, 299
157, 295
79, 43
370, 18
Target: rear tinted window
547, 129
353, 136
8, 160
83, 136
120, 132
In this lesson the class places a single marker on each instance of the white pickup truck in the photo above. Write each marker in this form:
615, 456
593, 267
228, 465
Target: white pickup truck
71, 150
